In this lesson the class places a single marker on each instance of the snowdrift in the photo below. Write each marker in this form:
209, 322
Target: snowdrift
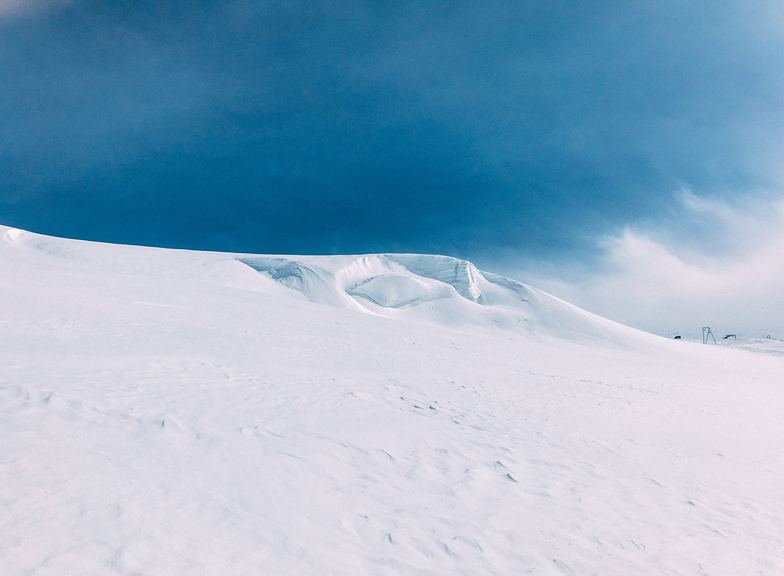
441, 289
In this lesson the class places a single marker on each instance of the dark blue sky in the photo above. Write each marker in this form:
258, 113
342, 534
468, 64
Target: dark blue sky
319, 127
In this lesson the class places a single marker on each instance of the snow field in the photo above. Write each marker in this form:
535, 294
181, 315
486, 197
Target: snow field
172, 412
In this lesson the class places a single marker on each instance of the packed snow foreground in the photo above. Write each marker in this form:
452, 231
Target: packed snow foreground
169, 412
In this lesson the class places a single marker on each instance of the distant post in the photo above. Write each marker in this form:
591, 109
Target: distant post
707, 333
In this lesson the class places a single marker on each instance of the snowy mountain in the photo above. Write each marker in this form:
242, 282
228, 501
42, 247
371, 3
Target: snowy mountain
181, 412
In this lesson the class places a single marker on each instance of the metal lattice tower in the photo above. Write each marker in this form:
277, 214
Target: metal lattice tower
706, 334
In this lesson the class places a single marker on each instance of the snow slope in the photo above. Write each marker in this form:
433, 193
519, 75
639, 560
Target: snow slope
438, 289
173, 412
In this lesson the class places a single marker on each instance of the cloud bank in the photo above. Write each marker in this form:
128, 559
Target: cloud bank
714, 263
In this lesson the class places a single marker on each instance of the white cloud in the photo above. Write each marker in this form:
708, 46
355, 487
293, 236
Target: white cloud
666, 281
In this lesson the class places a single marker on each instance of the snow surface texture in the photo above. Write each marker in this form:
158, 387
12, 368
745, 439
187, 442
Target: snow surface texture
171, 412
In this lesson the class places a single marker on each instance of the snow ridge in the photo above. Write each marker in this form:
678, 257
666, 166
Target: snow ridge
434, 288
427, 288
388, 280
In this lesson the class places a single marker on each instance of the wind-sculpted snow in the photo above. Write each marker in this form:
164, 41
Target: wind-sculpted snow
384, 279
316, 283
179, 413
394, 291
426, 277
460, 274
434, 288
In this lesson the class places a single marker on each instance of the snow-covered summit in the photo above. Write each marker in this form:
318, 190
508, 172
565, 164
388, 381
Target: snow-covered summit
413, 287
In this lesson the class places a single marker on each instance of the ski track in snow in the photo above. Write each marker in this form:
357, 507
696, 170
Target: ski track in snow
171, 412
